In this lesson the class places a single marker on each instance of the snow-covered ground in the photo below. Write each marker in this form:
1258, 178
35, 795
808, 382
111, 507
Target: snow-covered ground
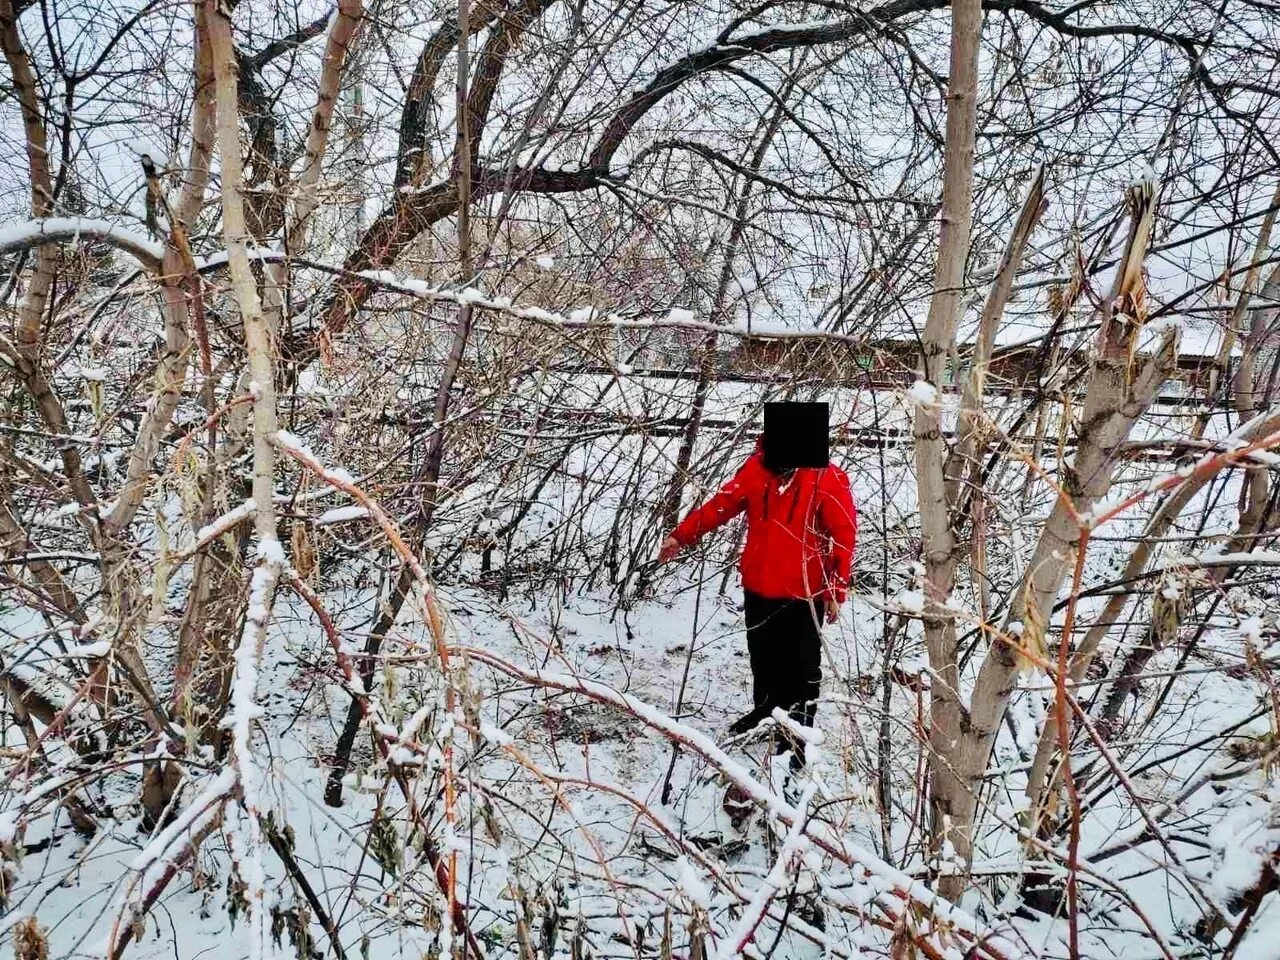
575, 787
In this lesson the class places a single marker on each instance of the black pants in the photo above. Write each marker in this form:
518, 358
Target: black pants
786, 655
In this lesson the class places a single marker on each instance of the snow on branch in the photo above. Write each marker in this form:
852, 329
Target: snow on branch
160, 860
220, 525
245, 832
341, 515
244, 687
586, 318
164, 847
35, 233
11, 817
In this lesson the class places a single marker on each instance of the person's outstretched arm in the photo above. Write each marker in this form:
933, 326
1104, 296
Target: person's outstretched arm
839, 518
729, 501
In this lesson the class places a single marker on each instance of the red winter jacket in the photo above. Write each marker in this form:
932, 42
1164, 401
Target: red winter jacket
800, 537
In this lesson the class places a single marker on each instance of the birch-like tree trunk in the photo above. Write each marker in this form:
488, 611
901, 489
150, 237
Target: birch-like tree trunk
235, 235
1120, 387
951, 806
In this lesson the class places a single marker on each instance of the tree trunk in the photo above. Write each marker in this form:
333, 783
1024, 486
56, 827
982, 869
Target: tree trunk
951, 802
1115, 397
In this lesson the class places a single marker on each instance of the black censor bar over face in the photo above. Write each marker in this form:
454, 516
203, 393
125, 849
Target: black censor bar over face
796, 435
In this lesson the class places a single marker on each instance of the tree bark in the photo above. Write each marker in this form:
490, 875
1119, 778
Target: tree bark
1115, 397
951, 803
235, 233
27, 93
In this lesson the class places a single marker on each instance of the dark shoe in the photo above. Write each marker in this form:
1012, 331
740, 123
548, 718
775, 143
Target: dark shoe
748, 721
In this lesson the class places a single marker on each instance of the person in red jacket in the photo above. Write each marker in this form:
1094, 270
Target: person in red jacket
801, 531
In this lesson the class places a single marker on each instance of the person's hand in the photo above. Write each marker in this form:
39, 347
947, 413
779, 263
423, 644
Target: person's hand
833, 609
667, 552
